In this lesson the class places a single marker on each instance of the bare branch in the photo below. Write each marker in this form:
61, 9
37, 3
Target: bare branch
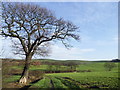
33, 26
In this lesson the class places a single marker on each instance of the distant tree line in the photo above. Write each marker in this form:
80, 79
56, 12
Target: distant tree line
61, 66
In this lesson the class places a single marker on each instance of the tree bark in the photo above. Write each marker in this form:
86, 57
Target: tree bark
24, 76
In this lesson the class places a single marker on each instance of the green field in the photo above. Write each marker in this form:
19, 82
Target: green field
87, 75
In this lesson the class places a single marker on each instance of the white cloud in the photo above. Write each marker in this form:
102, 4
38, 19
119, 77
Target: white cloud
72, 54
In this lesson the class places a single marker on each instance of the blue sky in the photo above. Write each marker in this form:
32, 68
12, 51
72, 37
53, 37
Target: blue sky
98, 22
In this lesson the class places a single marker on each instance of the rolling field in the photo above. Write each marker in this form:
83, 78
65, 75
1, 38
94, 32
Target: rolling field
87, 75
90, 79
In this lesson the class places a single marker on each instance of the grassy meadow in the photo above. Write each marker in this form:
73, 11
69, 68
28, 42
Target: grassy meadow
60, 74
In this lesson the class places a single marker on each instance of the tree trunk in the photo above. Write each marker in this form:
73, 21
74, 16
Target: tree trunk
24, 76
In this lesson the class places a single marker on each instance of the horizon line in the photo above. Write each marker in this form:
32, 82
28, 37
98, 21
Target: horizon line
66, 59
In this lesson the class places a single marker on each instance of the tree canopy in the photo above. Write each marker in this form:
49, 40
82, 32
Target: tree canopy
33, 25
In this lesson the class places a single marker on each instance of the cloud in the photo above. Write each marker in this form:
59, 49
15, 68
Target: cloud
95, 13
60, 52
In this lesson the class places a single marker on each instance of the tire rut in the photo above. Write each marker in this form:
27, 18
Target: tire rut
77, 82
52, 84
69, 83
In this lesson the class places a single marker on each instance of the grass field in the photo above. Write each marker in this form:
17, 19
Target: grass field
87, 75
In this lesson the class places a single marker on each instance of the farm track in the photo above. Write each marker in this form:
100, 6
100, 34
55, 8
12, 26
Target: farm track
77, 82
69, 83
56, 82
66, 81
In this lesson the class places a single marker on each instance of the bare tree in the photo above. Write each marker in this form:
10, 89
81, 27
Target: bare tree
34, 26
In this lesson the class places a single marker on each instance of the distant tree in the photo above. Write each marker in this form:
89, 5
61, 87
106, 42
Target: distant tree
33, 27
72, 65
109, 65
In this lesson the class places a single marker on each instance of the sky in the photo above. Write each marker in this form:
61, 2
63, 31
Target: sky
98, 25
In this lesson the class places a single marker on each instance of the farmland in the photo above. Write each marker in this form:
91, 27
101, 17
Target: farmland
58, 74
